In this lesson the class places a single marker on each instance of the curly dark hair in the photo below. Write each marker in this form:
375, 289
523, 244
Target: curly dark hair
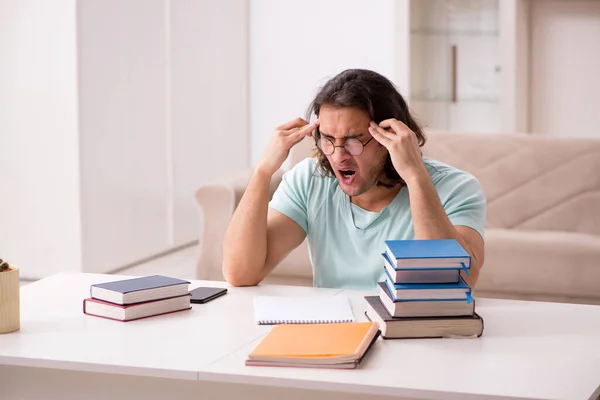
373, 93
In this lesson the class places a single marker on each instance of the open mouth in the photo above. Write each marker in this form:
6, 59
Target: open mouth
347, 173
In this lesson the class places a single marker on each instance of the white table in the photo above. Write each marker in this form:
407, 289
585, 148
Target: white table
528, 350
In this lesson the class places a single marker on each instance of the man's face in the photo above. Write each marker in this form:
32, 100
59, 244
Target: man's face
355, 174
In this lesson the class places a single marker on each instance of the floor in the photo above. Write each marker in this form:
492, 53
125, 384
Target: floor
179, 264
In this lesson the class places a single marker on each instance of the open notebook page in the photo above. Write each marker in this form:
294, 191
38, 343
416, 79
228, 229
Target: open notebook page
269, 310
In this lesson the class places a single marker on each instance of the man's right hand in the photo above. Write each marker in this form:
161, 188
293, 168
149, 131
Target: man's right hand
285, 137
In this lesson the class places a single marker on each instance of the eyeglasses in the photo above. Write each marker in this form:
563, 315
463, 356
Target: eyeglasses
353, 146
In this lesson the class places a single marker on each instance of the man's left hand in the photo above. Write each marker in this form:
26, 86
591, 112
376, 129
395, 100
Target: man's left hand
403, 147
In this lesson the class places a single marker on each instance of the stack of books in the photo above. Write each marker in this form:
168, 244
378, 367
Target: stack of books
136, 298
423, 294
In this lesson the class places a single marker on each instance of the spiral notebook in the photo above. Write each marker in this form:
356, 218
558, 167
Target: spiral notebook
271, 310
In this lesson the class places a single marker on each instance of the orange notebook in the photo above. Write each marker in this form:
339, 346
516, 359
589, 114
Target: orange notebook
337, 345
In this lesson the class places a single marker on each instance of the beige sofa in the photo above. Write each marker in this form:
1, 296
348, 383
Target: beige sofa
543, 215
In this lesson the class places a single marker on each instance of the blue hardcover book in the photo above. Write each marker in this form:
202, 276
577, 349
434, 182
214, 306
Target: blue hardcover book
426, 254
429, 291
400, 308
421, 275
137, 290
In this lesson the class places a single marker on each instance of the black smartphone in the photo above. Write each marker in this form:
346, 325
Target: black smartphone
205, 294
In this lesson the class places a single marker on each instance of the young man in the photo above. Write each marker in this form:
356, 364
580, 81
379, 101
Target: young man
367, 183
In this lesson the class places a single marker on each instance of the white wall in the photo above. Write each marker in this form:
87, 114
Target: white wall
565, 63
111, 115
39, 177
295, 46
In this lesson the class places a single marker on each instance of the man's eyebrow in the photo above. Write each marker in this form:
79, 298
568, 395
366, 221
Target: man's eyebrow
354, 135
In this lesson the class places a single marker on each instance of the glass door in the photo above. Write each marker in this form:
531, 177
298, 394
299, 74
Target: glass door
454, 64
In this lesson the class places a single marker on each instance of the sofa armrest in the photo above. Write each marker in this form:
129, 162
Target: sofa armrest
216, 203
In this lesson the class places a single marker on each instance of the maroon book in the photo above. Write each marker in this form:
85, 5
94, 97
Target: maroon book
131, 312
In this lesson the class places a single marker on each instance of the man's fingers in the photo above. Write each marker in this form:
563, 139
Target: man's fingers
298, 122
381, 138
396, 125
295, 140
373, 127
305, 130
298, 134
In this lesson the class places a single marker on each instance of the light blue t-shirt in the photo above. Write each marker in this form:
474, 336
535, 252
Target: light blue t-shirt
345, 241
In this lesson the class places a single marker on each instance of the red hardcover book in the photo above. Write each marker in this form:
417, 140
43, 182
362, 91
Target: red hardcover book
131, 312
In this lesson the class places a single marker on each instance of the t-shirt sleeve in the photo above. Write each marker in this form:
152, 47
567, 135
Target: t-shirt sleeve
291, 197
463, 200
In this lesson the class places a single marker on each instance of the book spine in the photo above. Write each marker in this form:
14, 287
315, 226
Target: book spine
295, 321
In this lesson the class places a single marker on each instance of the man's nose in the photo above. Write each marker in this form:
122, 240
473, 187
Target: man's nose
340, 154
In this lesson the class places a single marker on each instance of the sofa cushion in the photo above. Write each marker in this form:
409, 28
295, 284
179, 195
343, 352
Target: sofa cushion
534, 264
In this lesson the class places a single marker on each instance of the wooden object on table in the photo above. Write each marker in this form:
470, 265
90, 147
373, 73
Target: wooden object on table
10, 319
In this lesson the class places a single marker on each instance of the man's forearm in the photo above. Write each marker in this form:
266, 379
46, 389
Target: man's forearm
245, 241
430, 220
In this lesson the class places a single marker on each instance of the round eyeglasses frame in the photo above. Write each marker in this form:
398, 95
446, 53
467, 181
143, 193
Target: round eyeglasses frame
344, 146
